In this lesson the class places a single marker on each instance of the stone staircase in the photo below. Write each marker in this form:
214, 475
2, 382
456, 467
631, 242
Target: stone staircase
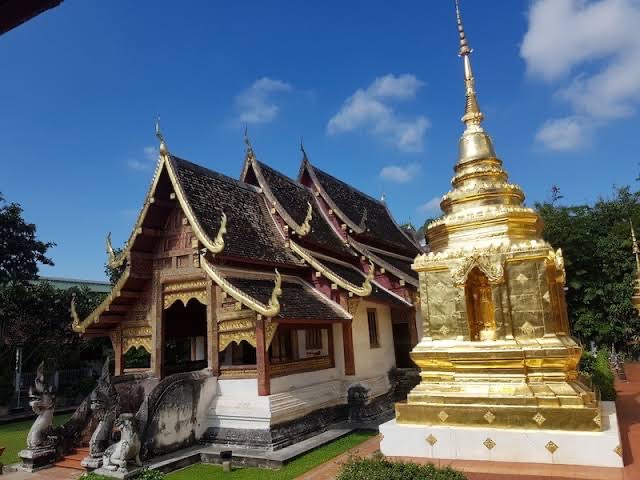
72, 460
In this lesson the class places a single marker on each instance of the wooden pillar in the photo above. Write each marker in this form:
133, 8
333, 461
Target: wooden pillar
157, 327
347, 339
262, 359
118, 354
212, 329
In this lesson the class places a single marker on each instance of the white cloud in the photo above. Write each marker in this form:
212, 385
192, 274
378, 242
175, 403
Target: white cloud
371, 109
399, 173
431, 207
590, 48
565, 134
256, 104
149, 157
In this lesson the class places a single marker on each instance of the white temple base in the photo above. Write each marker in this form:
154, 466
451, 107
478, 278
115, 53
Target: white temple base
598, 449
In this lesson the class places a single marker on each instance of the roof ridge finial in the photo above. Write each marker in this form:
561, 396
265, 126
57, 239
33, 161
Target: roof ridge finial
304, 153
473, 117
247, 142
163, 145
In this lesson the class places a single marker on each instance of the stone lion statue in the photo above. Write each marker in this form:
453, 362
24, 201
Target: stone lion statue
127, 450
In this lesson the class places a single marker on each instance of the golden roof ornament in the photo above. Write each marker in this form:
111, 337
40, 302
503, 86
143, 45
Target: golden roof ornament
163, 146
305, 228
247, 142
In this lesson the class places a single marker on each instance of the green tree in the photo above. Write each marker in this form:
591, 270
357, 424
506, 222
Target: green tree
20, 250
596, 243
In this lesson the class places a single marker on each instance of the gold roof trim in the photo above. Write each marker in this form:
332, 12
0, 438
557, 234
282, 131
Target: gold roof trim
362, 291
371, 255
164, 160
80, 326
270, 310
301, 229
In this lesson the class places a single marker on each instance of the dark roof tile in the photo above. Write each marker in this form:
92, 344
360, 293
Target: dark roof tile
251, 233
357, 205
296, 302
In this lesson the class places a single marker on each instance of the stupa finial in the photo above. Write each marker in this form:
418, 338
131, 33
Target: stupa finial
473, 117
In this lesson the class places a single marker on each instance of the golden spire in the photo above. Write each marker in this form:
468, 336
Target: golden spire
472, 115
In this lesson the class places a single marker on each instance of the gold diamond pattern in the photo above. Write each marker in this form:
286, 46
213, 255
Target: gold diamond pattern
528, 329
618, 450
444, 330
489, 416
552, 447
431, 440
489, 443
522, 279
443, 416
539, 419
547, 297
598, 420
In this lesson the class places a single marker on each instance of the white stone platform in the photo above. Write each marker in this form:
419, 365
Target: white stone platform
598, 449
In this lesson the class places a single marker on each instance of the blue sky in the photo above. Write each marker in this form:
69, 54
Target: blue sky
375, 88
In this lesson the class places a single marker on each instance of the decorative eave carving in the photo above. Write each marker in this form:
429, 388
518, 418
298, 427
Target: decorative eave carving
491, 265
305, 228
270, 310
80, 326
556, 259
361, 291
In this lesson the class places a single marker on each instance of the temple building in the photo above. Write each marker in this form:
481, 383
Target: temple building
290, 293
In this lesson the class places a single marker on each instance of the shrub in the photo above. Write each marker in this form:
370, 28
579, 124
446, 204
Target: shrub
380, 469
597, 367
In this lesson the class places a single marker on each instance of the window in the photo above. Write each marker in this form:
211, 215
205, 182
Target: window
372, 319
313, 339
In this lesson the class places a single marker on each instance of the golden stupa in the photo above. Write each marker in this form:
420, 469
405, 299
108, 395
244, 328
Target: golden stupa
496, 348
636, 287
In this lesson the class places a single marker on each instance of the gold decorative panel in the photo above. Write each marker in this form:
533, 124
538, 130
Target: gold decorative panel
489, 444
136, 337
185, 291
552, 447
431, 440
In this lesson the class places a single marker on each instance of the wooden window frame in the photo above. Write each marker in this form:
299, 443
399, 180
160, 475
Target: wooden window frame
313, 338
374, 334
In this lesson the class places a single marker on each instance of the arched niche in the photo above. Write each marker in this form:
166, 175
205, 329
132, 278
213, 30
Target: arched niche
480, 308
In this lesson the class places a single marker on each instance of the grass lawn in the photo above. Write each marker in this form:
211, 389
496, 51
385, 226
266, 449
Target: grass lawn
292, 470
14, 437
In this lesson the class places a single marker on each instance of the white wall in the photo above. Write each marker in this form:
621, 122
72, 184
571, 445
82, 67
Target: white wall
371, 361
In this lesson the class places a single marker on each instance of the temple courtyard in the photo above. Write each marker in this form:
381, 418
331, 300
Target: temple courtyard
325, 462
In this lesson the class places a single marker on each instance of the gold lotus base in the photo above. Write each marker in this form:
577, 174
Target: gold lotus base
585, 419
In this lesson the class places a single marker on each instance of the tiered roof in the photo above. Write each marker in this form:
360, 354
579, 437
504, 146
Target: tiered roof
243, 230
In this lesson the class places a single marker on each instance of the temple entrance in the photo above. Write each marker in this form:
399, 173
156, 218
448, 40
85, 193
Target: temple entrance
404, 336
402, 345
480, 311
185, 337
